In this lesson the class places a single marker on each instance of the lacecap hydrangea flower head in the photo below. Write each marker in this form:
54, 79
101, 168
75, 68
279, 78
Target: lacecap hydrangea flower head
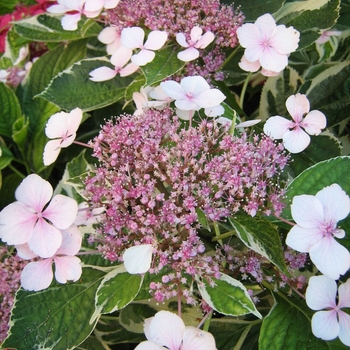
154, 177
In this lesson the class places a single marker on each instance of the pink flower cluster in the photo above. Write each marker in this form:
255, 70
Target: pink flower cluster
154, 178
179, 20
10, 271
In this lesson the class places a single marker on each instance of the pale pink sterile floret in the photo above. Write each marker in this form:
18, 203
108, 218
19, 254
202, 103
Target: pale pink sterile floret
120, 60
137, 259
192, 94
196, 41
61, 128
267, 44
326, 36
316, 220
133, 38
35, 218
332, 321
112, 38
166, 330
295, 139
38, 275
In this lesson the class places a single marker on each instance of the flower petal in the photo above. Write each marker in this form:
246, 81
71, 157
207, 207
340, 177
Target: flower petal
156, 40
249, 66
138, 258
335, 201
321, 293
270, 59
149, 345
188, 55
314, 122
102, 74
344, 294
24, 252
324, 325
214, 111
37, 275
302, 239
330, 257
248, 35
296, 140
196, 339
181, 40
307, 211
34, 192
67, 268
108, 35
62, 211
121, 57
210, 98
285, 40
167, 329
51, 151
143, 57
194, 85
297, 105
205, 40
173, 89
133, 37
70, 22
344, 326
71, 241
128, 69
277, 126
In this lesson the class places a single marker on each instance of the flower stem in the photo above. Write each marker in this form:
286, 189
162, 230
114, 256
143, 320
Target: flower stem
82, 144
228, 59
217, 233
16, 171
224, 235
244, 89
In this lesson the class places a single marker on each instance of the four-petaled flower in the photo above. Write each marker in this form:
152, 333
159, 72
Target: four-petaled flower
197, 41
166, 330
192, 94
38, 275
316, 220
61, 128
119, 59
267, 45
295, 139
332, 321
133, 38
137, 259
37, 219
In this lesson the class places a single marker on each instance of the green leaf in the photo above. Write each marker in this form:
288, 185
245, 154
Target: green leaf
261, 236
288, 327
117, 290
55, 318
308, 17
10, 110
329, 92
46, 27
202, 219
228, 296
6, 157
72, 88
275, 92
322, 147
253, 9
164, 65
20, 133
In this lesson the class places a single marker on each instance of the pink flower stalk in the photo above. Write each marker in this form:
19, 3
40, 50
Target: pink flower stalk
295, 139
315, 231
76, 8
120, 60
36, 218
196, 41
61, 128
266, 44
202, 168
133, 38
166, 330
10, 271
330, 321
38, 275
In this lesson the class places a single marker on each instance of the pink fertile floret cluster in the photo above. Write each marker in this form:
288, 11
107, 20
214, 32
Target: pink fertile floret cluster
156, 178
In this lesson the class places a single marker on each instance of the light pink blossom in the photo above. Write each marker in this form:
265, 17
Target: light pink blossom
332, 321
266, 44
36, 218
38, 275
295, 139
137, 259
166, 330
120, 60
133, 38
61, 128
197, 41
316, 220
74, 9
192, 94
